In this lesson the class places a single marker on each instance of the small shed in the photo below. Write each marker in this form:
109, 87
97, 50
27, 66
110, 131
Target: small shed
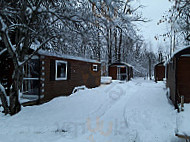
178, 76
120, 71
159, 71
48, 75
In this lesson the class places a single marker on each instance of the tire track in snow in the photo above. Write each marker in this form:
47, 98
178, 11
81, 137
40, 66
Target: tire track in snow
114, 93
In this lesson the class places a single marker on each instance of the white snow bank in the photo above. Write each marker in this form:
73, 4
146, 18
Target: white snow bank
106, 79
183, 118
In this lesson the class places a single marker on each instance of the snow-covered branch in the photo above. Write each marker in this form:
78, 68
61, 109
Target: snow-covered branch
3, 25
36, 51
3, 51
14, 26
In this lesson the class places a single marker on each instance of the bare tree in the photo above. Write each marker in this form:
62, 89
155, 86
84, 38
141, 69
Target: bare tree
23, 23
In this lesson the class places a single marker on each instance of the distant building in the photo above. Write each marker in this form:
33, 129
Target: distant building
120, 71
159, 72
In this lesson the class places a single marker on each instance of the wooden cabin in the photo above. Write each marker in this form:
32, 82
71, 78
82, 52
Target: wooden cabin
48, 75
178, 76
120, 71
159, 72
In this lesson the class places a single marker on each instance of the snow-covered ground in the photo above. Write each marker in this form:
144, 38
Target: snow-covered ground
183, 121
134, 111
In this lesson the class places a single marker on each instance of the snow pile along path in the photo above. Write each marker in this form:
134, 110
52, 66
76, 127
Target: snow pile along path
182, 121
131, 111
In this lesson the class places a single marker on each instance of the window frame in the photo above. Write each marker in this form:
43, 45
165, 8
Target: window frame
64, 62
27, 71
95, 69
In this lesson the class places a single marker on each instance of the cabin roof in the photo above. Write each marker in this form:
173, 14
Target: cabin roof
179, 52
121, 63
185, 50
160, 63
54, 54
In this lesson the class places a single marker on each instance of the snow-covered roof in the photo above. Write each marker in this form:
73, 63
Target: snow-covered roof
121, 63
177, 52
54, 54
103, 61
160, 63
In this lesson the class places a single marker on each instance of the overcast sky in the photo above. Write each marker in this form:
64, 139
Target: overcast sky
154, 10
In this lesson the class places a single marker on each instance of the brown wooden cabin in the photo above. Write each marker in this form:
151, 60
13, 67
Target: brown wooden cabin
178, 76
49, 75
159, 72
120, 71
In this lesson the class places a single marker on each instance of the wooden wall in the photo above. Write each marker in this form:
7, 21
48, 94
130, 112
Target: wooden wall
159, 72
183, 78
130, 72
78, 73
113, 72
171, 80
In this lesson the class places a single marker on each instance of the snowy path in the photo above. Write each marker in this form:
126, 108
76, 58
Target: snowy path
120, 112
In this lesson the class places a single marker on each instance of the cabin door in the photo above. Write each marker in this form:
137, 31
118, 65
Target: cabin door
118, 73
121, 73
31, 81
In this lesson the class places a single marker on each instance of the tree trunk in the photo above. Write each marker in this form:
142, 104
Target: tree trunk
15, 105
150, 68
110, 46
119, 50
116, 52
108, 43
3, 98
98, 52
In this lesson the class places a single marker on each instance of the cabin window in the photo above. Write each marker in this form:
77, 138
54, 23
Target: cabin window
61, 70
95, 67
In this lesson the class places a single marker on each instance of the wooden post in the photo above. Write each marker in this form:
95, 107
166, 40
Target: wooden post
182, 103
